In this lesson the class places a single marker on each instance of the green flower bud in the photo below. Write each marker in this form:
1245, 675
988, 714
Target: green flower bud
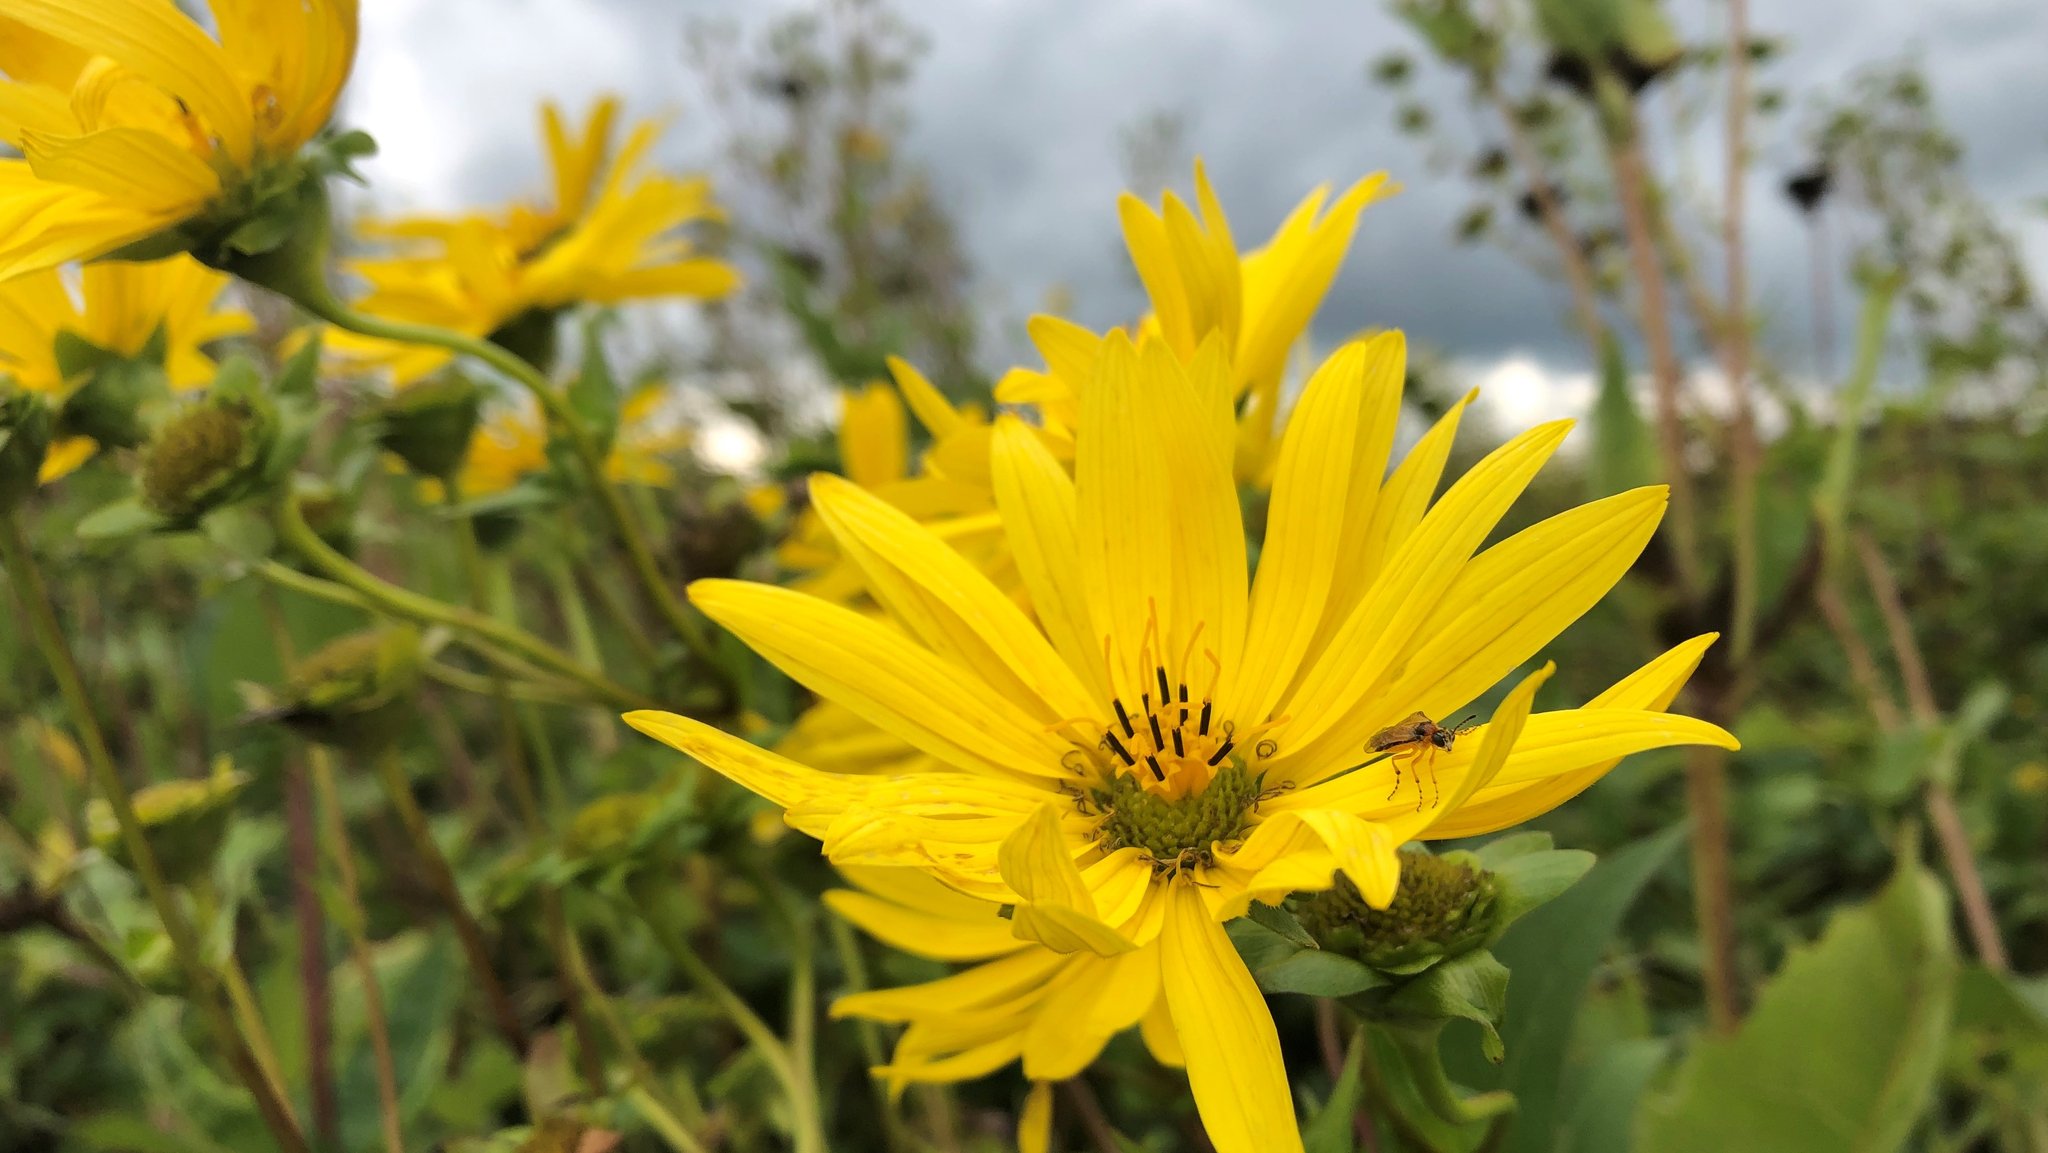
24, 441
1443, 908
607, 829
354, 692
428, 426
183, 821
206, 456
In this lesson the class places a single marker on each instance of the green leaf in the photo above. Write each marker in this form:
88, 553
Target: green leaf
1972, 719
594, 395
1855, 1023
1315, 973
1282, 922
1622, 457
1535, 879
1603, 1105
77, 356
1552, 953
124, 518
1331, 1130
301, 374
1472, 987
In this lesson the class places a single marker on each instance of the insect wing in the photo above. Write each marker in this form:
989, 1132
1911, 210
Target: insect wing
1411, 729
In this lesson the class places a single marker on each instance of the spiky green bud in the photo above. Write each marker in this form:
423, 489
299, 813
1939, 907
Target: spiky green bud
428, 426
183, 821
1444, 907
205, 456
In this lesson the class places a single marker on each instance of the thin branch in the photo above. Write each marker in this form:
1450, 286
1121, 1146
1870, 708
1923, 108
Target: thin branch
1884, 589
1734, 341
1578, 272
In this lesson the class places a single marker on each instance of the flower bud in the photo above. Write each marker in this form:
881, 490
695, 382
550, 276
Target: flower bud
204, 457
354, 692
1443, 908
428, 425
24, 440
183, 821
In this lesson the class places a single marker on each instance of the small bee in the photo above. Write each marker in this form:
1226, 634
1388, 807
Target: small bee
1417, 739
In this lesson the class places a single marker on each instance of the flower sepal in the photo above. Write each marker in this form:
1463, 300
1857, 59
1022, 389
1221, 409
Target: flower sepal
354, 693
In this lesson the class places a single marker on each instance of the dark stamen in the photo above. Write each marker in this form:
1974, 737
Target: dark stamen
1165, 694
1204, 730
1178, 751
1121, 715
1156, 770
1158, 738
1119, 747
1183, 702
1222, 751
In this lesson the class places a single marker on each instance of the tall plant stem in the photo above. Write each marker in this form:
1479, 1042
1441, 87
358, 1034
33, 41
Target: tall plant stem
1713, 883
519, 730
581, 443
441, 876
855, 967
409, 605
241, 995
1578, 272
1632, 183
355, 923
1978, 914
34, 597
669, 1116
302, 847
1734, 338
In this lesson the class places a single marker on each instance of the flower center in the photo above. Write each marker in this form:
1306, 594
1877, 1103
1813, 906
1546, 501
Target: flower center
1176, 832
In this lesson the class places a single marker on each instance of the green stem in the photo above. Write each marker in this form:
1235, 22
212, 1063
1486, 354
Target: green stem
623, 525
241, 996
665, 1115
441, 875
293, 530
788, 1069
1419, 1052
803, 1012
355, 922
34, 597
855, 967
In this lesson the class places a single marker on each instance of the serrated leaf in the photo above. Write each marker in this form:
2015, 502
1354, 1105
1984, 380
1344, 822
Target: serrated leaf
1281, 921
1877, 992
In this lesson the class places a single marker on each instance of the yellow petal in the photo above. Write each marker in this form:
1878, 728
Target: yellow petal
922, 934
1034, 1121
874, 435
933, 410
1161, 1039
1496, 743
947, 603
779, 779
1226, 1031
127, 164
1036, 500
1366, 852
1125, 548
1517, 596
64, 457
1653, 687
161, 44
994, 983
1152, 255
1405, 496
896, 684
1313, 499
1055, 906
1379, 631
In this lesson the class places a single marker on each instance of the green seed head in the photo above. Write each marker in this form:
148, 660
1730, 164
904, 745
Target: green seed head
353, 692
203, 458
183, 821
1175, 831
1442, 908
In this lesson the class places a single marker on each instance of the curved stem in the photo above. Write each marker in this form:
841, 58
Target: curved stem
441, 875
241, 996
34, 597
645, 567
293, 530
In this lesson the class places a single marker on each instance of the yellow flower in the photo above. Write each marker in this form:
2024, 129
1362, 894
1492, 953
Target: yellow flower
512, 444
948, 490
609, 234
1169, 741
117, 307
133, 121
1259, 304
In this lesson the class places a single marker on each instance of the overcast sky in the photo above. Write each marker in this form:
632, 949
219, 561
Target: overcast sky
1018, 105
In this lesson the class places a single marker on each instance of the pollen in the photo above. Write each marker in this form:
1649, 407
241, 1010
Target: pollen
1176, 832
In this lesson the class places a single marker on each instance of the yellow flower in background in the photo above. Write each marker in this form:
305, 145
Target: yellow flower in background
133, 121
947, 488
511, 444
1169, 741
609, 234
1259, 304
120, 308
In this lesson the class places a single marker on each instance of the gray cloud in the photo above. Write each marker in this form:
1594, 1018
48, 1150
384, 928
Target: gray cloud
1018, 105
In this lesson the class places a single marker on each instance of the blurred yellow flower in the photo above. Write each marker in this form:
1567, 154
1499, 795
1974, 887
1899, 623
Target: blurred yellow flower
609, 234
511, 444
1169, 740
132, 120
117, 307
1259, 304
